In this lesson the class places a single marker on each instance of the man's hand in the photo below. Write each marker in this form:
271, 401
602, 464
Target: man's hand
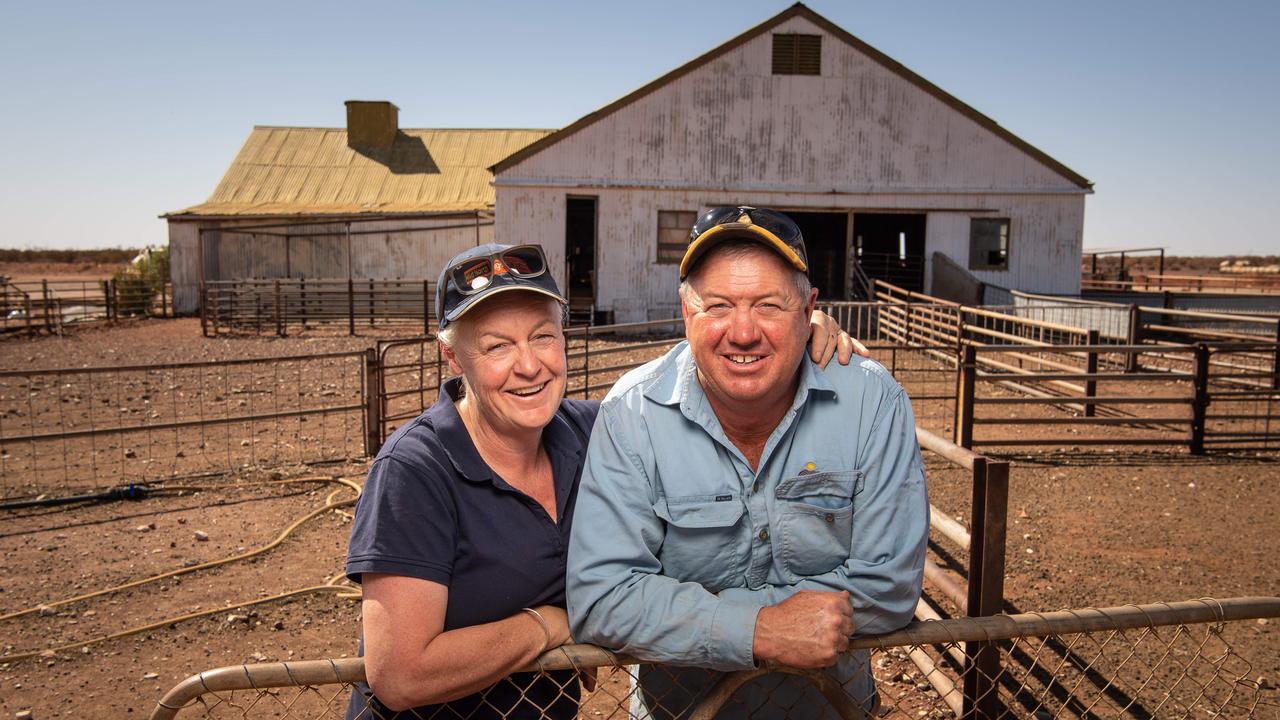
827, 340
807, 630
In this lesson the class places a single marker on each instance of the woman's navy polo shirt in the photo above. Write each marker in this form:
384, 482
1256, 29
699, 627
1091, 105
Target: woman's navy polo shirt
433, 509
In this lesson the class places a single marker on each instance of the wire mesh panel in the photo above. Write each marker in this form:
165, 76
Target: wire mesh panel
78, 429
1174, 660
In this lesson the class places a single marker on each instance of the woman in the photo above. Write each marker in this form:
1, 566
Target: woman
460, 535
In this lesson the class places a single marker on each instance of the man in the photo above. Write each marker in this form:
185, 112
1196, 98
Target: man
739, 507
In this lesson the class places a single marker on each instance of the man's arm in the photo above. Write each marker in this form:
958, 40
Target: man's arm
617, 596
885, 567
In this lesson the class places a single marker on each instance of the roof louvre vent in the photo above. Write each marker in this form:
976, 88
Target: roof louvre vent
795, 54
371, 124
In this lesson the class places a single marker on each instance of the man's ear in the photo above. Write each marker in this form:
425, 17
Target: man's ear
813, 302
450, 357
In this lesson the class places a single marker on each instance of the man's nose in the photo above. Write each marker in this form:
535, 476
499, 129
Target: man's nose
743, 330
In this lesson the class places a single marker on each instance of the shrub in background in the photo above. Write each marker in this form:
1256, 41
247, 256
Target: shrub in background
138, 283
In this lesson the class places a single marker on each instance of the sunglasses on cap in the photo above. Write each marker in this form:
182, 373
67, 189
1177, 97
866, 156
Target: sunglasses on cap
771, 227
475, 274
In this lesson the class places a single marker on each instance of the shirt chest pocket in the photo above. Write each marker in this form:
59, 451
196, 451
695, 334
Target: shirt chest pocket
701, 543
813, 522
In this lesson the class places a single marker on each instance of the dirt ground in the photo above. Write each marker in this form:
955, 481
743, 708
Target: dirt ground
1093, 527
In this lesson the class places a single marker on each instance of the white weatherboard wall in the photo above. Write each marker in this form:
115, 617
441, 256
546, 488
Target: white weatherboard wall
859, 137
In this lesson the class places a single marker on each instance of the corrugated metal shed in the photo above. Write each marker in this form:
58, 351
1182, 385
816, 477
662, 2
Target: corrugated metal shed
286, 171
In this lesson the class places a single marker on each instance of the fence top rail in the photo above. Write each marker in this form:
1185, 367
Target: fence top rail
1067, 300
415, 283
580, 330
1084, 347
1047, 325
936, 444
182, 365
1230, 317
96, 283
927, 632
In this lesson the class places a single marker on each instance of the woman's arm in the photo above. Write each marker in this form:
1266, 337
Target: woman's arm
410, 660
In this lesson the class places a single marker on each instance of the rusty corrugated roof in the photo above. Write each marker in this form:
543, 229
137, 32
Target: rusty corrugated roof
312, 171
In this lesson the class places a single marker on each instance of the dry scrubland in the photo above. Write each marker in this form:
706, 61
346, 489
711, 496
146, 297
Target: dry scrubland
1093, 527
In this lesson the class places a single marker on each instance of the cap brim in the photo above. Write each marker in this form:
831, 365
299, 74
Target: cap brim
476, 299
730, 231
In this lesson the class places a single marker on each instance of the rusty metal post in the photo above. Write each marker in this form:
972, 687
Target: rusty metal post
372, 402
302, 300
965, 381
257, 312
1199, 403
426, 307
351, 307
204, 303
989, 518
279, 317
586, 363
1275, 364
1091, 368
1135, 338
44, 296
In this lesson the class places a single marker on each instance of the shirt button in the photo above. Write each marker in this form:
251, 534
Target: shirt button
764, 535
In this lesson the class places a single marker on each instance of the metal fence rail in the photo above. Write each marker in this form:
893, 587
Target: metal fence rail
410, 370
75, 429
49, 306
286, 305
1167, 660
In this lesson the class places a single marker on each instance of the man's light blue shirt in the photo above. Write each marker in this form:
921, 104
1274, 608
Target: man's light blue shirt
677, 543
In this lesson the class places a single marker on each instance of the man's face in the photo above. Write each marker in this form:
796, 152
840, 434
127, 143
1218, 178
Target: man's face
747, 325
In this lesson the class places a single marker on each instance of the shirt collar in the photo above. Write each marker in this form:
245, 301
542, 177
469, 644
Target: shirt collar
454, 438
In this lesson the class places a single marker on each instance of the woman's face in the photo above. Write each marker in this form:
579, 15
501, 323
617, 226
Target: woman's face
510, 350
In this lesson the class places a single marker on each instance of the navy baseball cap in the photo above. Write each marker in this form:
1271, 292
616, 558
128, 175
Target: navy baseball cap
486, 270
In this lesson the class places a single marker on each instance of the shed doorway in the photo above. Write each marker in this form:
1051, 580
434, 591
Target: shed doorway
580, 257
890, 247
826, 237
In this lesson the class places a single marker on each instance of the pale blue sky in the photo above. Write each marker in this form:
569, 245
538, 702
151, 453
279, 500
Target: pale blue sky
116, 112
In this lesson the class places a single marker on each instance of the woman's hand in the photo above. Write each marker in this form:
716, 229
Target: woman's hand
557, 625
826, 339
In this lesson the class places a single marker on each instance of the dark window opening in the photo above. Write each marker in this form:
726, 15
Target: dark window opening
673, 235
989, 243
890, 247
795, 54
825, 241
580, 249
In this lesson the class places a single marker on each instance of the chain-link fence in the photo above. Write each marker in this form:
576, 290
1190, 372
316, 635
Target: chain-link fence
1166, 660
